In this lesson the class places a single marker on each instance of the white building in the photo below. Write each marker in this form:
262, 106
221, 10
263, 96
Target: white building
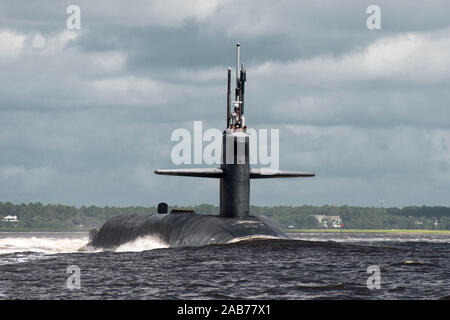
329, 221
10, 219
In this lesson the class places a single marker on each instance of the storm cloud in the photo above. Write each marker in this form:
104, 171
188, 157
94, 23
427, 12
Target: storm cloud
86, 115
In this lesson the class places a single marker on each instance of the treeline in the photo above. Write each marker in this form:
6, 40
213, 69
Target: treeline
433, 218
37, 215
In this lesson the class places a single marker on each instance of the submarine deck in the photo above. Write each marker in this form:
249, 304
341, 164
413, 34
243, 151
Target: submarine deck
182, 229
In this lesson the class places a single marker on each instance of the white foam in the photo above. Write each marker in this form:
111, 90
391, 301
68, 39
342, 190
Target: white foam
41, 244
142, 244
253, 237
23, 257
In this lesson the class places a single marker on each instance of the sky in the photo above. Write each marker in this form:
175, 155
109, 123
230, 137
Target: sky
86, 115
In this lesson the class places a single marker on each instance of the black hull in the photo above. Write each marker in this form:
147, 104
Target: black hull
178, 230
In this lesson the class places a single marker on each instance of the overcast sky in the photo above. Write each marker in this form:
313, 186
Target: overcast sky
86, 115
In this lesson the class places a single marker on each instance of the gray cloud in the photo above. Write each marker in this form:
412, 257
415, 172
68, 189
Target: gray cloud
86, 116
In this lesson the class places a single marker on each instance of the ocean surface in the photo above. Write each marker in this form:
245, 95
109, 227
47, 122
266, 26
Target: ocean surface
40, 265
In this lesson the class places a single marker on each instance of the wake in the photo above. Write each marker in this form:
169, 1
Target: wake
71, 243
41, 245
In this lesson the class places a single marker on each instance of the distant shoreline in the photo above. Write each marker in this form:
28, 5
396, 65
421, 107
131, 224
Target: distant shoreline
57, 217
417, 231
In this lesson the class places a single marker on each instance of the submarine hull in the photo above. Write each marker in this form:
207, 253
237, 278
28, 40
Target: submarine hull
178, 230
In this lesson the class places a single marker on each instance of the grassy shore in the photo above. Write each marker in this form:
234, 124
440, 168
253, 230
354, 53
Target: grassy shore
419, 231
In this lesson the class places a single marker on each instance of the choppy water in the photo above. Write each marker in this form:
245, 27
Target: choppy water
308, 266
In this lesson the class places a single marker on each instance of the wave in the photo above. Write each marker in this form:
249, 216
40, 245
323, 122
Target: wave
16, 249
142, 244
56, 243
412, 263
355, 238
21, 257
253, 237
41, 244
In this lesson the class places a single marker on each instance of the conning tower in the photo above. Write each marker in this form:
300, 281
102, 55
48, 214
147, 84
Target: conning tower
235, 172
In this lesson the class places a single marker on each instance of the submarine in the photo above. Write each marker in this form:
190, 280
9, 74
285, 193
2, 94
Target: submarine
234, 223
